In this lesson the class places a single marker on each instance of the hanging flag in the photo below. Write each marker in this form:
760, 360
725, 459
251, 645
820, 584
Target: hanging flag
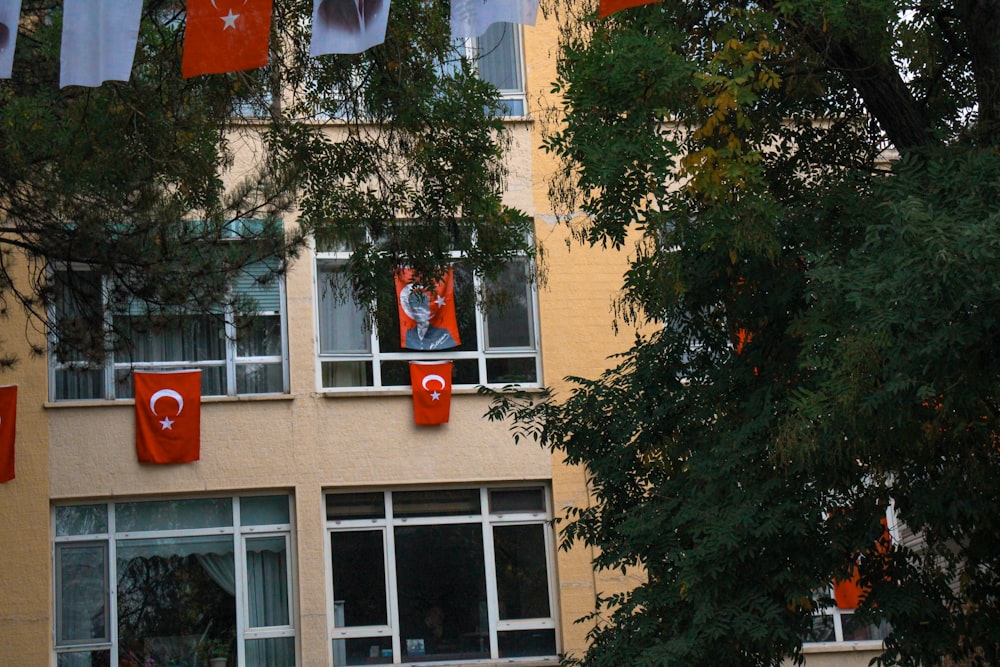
471, 18
168, 416
427, 318
98, 41
609, 7
225, 36
347, 26
10, 12
8, 430
431, 382
849, 593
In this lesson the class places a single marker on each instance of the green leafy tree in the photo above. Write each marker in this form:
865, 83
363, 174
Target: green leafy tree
815, 185
396, 152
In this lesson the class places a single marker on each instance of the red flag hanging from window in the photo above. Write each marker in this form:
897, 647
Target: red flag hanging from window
427, 318
225, 36
849, 593
431, 383
8, 430
609, 7
168, 416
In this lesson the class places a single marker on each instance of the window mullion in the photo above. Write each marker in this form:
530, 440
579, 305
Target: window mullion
229, 327
109, 362
489, 557
391, 590
113, 582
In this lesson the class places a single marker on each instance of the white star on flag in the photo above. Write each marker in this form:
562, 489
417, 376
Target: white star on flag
166, 424
229, 20
440, 301
435, 395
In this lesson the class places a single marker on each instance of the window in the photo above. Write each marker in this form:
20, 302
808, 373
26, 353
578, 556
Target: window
234, 357
838, 622
499, 344
169, 582
440, 575
497, 54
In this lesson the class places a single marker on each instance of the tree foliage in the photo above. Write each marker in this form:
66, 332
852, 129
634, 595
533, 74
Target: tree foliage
396, 152
815, 187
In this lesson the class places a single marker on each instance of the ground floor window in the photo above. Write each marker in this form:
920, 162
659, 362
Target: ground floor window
441, 575
174, 583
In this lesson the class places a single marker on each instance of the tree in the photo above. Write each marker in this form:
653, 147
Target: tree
397, 152
815, 188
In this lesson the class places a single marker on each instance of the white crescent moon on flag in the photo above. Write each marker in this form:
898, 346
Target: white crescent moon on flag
166, 393
432, 377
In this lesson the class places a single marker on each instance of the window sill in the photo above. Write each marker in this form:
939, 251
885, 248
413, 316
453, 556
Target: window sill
355, 392
842, 647
520, 662
105, 403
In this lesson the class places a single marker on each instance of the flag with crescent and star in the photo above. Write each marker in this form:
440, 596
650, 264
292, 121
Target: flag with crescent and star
347, 26
225, 36
427, 319
431, 381
471, 18
168, 416
98, 41
10, 12
8, 431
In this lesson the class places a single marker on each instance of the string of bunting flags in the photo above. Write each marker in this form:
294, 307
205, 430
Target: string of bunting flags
99, 36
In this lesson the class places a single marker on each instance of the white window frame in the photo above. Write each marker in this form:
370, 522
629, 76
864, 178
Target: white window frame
239, 533
508, 96
374, 356
487, 520
232, 358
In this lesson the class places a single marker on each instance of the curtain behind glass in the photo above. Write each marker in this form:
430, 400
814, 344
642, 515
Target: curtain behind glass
343, 326
498, 62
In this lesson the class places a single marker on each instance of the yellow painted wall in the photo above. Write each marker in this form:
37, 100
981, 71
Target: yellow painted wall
25, 564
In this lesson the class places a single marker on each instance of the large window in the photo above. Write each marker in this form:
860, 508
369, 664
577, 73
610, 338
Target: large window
441, 575
499, 343
235, 357
174, 582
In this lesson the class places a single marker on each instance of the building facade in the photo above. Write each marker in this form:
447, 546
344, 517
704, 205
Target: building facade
321, 526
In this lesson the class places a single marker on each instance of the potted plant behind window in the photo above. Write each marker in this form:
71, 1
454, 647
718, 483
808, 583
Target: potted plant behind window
216, 651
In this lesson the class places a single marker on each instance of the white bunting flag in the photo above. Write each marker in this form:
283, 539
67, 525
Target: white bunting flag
98, 41
347, 26
471, 18
10, 11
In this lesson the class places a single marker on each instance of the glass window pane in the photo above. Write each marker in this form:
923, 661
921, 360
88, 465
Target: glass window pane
259, 336
523, 643
440, 502
174, 514
79, 383
517, 500
82, 593
856, 629
172, 595
506, 370
355, 506
498, 57
213, 380
362, 651
82, 520
347, 374
822, 630
179, 338
441, 583
263, 510
274, 652
359, 596
509, 321
522, 576
343, 325
259, 378
267, 581
84, 659
397, 373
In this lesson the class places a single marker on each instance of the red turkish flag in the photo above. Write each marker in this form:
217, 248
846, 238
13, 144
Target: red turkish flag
225, 36
608, 7
168, 416
431, 381
8, 428
427, 318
